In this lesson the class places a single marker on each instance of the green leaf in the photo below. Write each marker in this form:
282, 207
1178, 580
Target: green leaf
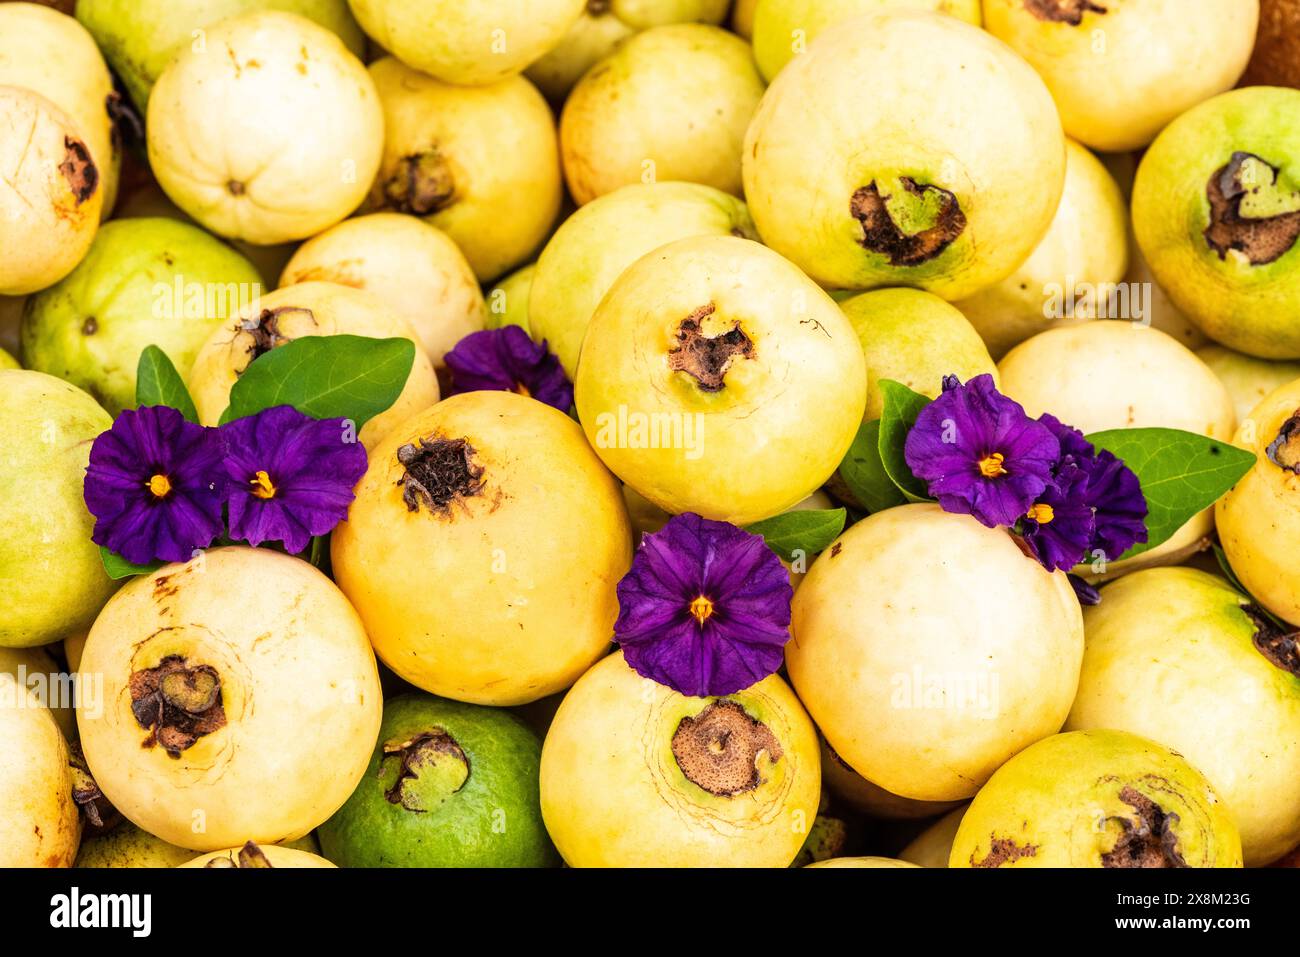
864, 473
902, 406
118, 567
158, 383
1181, 473
808, 531
349, 377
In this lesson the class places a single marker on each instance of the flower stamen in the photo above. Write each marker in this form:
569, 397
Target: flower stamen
991, 465
701, 609
263, 487
1041, 513
159, 485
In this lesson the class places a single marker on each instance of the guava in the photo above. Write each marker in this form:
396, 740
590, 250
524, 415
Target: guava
1216, 208
239, 695
413, 266
1097, 799
671, 103
1160, 309
1248, 380
508, 300
1228, 696
1122, 375
915, 338
933, 846
742, 18
449, 785
52, 580
1276, 58
925, 675
144, 282
701, 370
596, 244
1119, 71
129, 846
272, 140
592, 37
469, 44
1074, 273
50, 53
7, 361
856, 791
140, 37
50, 192
498, 499
782, 29
480, 163
35, 669
1260, 516
40, 826
307, 309
905, 149
251, 855
863, 862
636, 775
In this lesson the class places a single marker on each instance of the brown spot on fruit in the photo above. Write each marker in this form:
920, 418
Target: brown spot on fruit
707, 358
1063, 11
79, 169
1261, 240
1280, 647
98, 816
719, 749
265, 329
177, 703
235, 187
1284, 450
880, 234
426, 770
597, 8
1147, 839
1003, 850
437, 473
422, 183
836, 549
90, 326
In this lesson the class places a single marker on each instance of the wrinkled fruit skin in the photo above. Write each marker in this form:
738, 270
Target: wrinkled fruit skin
1260, 517
775, 353
53, 579
951, 199
1172, 655
309, 309
40, 826
299, 699
90, 328
614, 794
526, 539
1069, 801
492, 818
1241, 295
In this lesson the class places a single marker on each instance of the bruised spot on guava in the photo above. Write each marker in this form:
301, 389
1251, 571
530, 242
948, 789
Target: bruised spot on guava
1147, 839
720, 749
250, 856
79, 169
1003, 850
908, 244
98, 816
704, 357
438, 472
1284, 450
420, 773
265, 329
422, 183
1063, 11
1278, 646
1249, 212
177, 703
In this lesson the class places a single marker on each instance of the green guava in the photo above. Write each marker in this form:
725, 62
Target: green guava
52, 580
7, 361
139, 37
915, 338
597, 243
144, 282
129, 846
1216, 209
509, 299
1247, 379
1097, 799
449, 785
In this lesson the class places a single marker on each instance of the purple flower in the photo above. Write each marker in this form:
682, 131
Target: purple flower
1059, 527
289, 476
507, 360
154, 485
980, 454
705, 608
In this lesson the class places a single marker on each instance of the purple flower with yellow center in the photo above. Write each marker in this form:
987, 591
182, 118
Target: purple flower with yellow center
289, 476
980, 454
1059, 528
705, 608
507, 360
155, 486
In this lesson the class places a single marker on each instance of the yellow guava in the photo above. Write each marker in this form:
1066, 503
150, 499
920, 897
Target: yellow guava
933, 846
252, 855
862, 862
39, 826
1248, 380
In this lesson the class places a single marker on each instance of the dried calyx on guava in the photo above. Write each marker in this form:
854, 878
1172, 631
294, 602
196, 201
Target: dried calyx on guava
177, 703
423, 771
1252, 210
1275, 643
265, 330
1147, 837
249, 856
911, 224
422, 184
1284, 450
704, 357
98, 816
1064, 11
438, 472
723, 750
